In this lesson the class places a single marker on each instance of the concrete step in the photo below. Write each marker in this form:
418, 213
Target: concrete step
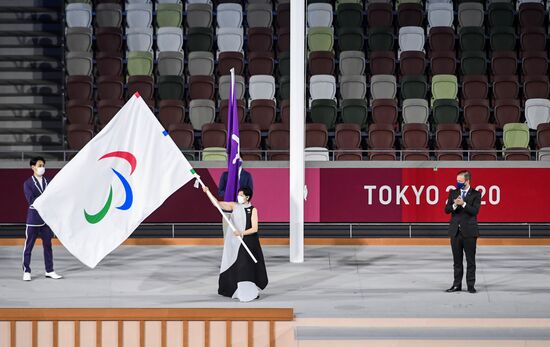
34, 87
16, 154
31, 99
35, 74
8, 25
29, 13
41, 111
29, 64
318, 334
32, 38
25, 136
26, 123
33, 3
32, 51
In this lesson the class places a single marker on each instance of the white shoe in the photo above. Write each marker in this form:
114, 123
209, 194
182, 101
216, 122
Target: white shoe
53, 275
27, 276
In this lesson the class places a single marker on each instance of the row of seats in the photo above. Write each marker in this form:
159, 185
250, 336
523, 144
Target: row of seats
348, 142
188, 82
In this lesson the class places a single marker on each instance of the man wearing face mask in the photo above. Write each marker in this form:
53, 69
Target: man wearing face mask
33, 187
463, 205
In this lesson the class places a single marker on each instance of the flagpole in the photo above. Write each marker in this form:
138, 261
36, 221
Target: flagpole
217, 204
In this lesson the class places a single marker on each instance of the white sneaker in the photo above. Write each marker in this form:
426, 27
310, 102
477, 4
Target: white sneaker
27, 276
53, 275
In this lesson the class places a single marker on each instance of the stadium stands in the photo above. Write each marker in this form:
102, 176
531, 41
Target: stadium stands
415, 67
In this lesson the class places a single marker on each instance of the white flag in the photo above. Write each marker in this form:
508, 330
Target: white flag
118, 179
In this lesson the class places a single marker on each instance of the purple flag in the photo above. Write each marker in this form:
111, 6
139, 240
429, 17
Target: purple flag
234, 161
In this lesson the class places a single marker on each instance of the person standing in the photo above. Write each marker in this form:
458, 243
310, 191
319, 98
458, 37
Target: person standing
463, 205
245, 180
33, 187
241, 278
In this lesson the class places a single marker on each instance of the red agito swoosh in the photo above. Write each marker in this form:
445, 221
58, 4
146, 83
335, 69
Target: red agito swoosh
129, 157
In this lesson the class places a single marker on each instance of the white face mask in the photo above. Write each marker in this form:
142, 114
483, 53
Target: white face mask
40, 170
241, 199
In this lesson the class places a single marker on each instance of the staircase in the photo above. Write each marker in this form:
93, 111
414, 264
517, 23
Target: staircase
31, 78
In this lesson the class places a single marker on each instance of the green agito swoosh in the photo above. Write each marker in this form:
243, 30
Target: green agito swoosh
96, 218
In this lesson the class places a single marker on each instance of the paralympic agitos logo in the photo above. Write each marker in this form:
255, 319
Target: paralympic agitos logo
131, 159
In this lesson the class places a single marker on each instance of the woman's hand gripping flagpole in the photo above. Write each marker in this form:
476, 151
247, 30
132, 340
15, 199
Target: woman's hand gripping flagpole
215, 203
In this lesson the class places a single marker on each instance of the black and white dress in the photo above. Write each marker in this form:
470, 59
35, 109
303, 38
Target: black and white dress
241, 278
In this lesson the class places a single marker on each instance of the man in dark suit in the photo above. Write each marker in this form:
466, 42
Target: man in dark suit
245, 180
33, 187
463, 205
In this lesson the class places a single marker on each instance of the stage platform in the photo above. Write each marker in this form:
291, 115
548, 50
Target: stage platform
341, 296
334, 281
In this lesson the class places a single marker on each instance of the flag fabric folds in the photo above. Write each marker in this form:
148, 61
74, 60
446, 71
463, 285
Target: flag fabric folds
234, 161
118, 179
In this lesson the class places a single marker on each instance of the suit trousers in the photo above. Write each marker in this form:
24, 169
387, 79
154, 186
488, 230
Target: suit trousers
32, 234
464, 245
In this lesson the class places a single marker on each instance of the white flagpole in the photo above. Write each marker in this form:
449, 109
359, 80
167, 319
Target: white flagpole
215, 203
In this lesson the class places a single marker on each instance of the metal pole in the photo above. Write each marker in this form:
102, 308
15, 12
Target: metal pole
297, 127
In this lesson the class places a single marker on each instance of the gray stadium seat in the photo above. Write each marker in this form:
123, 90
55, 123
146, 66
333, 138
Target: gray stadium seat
78, 15
201, 112
169, 39
79, 63
201, 63
170, 63
353, 87
261, 87
229, 15
139, 39
78, 39
199, 15
224, 83
139, 15
352, 63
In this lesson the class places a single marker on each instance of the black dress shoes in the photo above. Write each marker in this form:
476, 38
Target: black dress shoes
472, 290
454, 289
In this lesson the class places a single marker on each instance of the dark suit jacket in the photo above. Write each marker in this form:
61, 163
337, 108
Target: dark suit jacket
33, 190
464, 220
244, 181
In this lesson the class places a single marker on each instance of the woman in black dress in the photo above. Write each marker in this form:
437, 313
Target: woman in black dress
241, 278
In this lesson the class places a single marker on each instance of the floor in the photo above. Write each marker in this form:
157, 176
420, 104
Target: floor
334, 281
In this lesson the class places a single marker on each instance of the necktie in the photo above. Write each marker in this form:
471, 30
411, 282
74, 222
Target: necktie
463, 194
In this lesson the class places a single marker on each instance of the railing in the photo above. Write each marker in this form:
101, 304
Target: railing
314, 153
117, 327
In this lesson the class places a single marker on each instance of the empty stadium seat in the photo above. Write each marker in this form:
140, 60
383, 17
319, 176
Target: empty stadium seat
415, 137
515, 138
445, 111
78, 39
108, 15
250, 140
80, 112
170, 63
261, 87
229, 15
448, 139
381, 140
172, 112
140, 63
259, 15
201, 87
226, 61
352, 63
79, 87
201, 111
224, 108
353, 87
316, 135
78, 135
261, 63
169, 39
414, 87
482, 142
321, 63
79, 63
184, 137
537, 111
170, 87
78, 15
475, 87
278, 141
411, 39
443, 62
380, 39
383, 87
319, 15
224, 85
199, 15
347, 140
139, 15
384, 111
410, 14
444, 87
506, 111
415, 111
260, 39
470, 14
169, 15
412, 63
476, 111
349, 15
380, 63
263, 112
107, 109
144, 85
350, 39
213, 135
322, 87
230, 39
354, 111
324, 111
108, 39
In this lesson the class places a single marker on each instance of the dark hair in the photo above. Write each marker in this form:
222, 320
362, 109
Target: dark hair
467, 175
246, 191
36, 160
